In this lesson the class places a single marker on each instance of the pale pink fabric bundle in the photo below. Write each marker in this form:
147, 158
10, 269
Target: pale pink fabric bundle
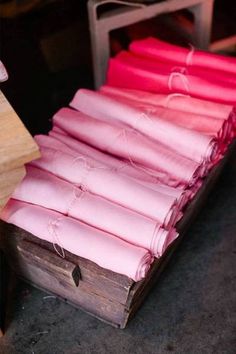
127, 70
161, 182
128, 144
190, 144
89, 175
104, 249
156, 49
44, 189
60, 140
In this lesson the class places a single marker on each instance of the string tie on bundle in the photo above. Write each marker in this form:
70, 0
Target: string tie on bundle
52, 226
178, 72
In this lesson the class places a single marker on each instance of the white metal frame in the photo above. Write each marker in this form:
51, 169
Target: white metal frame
128, 13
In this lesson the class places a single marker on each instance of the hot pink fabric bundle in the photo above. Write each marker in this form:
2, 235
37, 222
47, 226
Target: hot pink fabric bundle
44, 189
130, 71
190, 57
90, 176
78, 238
190, 144
129, 144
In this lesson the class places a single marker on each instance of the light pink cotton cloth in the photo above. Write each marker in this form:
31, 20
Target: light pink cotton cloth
61, 141
126, 143
129, 71
190, 144
88, 174
42, 188
191, 57
104, 249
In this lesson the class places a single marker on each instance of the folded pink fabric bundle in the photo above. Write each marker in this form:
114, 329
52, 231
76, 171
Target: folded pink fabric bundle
104, 249
156, 49
86, 173
44, 189
62, 140
190, 144
129, 71
183, 103
197, 122
207, 117
129, 144
116, 165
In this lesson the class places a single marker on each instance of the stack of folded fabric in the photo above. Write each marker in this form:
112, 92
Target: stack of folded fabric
120, 166
156, 66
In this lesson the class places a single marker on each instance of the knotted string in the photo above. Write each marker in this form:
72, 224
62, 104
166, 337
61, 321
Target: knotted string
173, 95
52, 225
179, 74
189, 58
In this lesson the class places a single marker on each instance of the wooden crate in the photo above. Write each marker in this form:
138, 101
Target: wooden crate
109, 296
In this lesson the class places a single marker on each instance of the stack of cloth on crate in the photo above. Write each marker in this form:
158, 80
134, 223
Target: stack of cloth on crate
120, 166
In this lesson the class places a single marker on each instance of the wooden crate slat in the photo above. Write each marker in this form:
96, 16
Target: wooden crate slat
17, 147
8, 182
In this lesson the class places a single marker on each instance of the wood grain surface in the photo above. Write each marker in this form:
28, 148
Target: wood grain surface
17, 147
8, 182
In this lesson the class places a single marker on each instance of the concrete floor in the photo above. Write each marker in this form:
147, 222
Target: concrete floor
191, 310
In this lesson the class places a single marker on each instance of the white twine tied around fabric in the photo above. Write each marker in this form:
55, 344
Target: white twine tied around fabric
174, 95
88, 168
178, 72
52, 226
189, 57
123, 134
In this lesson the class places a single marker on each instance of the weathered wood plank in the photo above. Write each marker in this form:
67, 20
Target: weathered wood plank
93, 278
17, 147
8, 182
65, 271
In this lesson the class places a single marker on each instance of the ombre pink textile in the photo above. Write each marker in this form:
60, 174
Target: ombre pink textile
104, 249
202, 123
181, 102
127, 70
177, 101
188, 112
188, 143
128, 144
156, 49
89, 175
123, 167
44, 189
